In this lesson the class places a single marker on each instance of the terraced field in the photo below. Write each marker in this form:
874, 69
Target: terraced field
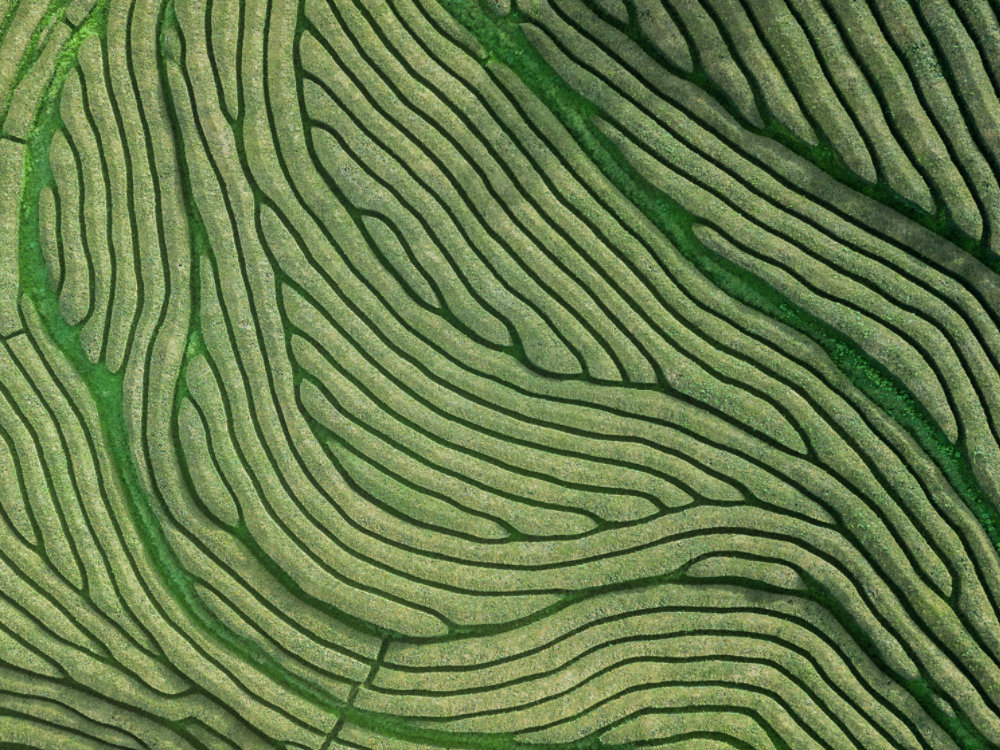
556, 374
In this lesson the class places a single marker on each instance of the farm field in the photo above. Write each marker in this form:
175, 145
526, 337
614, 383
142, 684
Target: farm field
500, 374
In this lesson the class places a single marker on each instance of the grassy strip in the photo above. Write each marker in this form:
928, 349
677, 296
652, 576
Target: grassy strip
106, 389
104, 385
504, 40
823, 154
958, 726
53, 15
